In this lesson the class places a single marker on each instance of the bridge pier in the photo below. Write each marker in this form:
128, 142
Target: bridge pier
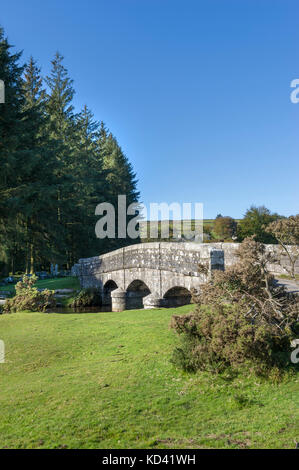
150, 275
118, 300
153, 301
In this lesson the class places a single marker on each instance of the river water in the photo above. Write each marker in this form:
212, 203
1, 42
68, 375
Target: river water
105, 308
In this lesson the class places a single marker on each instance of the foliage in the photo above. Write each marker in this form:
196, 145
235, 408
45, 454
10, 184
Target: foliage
87, 298
254, 223
69, 282
57, 165
36, 205
250, 321
218, 337
225, 227
29, 298
11, 128
286, 232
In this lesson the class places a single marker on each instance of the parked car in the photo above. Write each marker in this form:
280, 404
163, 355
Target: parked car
42, 275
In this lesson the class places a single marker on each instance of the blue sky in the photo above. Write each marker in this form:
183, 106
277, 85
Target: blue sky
196, 92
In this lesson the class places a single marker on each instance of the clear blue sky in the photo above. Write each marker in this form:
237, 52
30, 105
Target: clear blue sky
197, 92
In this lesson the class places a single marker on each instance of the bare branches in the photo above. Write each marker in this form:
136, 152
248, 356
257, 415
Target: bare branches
250, 285
286, 232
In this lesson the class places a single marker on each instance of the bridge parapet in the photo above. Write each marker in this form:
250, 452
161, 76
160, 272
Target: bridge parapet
152, 274
160, 267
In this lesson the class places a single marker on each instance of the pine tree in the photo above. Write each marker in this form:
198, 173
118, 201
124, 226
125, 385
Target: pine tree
39, 195
90, 185
56, 167
59, 102
11, 140
120, 177
61, 128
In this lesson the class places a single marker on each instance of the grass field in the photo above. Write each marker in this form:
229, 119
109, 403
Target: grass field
53, 284
287, 276
174, 225
105, 381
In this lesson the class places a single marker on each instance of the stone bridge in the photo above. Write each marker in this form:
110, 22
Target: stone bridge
149, 275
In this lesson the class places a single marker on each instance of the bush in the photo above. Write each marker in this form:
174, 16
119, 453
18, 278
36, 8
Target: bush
225, 227
219, 337
242, 319
87, 298
286, 231
29, 298
254, 222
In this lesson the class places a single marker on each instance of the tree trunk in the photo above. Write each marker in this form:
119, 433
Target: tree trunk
31, 259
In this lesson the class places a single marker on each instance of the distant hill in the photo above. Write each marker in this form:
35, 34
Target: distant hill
174, 227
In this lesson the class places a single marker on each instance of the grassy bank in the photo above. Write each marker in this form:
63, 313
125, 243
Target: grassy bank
69, 282
105, 380
287, 276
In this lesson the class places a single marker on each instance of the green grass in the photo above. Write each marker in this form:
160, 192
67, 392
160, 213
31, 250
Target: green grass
59, 283
144, 225
53, 284
287, 276
105, 381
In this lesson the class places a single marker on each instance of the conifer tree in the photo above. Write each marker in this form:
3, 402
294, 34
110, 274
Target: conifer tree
56, 167
90, 185
11, 133
39, 195
120, 177
61, 127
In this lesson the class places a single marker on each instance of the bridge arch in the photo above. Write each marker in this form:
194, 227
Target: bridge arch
151, 270
177, 296
108, 287
136, 291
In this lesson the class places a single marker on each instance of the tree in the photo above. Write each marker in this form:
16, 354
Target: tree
56, 167
60, 130
38, 201
90, 186
11, 145
120, 178
59, 102
286, 232
254, 222
225, 227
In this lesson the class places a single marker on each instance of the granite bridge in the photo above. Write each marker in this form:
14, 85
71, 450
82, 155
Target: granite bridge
149, 275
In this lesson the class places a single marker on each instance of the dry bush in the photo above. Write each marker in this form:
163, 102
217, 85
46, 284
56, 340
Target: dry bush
286, 232
242, 318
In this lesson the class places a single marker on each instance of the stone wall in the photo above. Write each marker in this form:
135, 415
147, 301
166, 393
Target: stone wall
276, 268
160, 266
145, 273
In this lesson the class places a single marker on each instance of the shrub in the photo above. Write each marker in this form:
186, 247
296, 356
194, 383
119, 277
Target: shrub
218, 337
29, 298
225, 227
254, 222
87, 298
242, 319
286, 231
